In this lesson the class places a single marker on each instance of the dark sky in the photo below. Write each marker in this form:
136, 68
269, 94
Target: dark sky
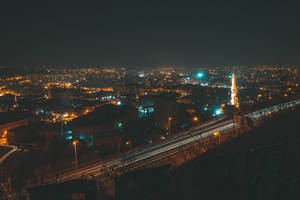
143, 33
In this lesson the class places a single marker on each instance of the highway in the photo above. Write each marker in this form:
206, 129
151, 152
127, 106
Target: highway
159, 151
149, 153
164, 150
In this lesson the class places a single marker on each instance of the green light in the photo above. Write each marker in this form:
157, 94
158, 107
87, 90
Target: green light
120, 124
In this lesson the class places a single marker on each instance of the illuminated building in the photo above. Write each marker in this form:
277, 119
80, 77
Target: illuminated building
234, 98
65, 131
146, 109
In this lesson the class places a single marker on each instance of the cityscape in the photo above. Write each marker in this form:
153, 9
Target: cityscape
97, 113
177, 100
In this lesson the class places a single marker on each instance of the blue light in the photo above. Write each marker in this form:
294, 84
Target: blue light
218, 112
145, 112
68, 137
200, 75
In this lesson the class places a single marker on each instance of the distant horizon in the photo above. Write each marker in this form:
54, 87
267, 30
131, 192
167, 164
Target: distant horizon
140, 66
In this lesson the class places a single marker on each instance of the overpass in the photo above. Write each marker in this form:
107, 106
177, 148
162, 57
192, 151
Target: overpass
170, 147
5, 127
214, 130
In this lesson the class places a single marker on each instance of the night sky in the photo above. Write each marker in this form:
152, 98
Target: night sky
147, 33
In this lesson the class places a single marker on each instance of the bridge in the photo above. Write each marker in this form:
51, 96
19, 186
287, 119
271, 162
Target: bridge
201, 137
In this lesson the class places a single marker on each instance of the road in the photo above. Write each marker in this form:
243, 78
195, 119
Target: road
13, 149
164, 150
159, 151
148, 154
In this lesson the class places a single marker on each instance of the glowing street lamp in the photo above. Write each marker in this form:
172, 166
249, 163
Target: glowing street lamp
5, 133
75, 150
195, 119
219, 136
169, 123
258, 97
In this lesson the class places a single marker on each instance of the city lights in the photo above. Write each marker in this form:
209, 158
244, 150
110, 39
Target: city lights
149, 100
200, 75
218, 112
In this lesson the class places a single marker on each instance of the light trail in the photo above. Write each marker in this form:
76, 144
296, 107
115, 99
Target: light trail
14, 148
170, 147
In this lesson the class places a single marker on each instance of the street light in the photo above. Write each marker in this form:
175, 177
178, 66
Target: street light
169, 123
258, 97
5, 133
75, 150
219, 135
195, 119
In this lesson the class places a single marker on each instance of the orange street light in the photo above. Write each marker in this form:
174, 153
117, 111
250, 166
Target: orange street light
219, 135
169, 123
5, 133
195, 119
75, 151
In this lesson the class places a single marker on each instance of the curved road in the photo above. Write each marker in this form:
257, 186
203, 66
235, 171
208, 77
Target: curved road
14, 148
